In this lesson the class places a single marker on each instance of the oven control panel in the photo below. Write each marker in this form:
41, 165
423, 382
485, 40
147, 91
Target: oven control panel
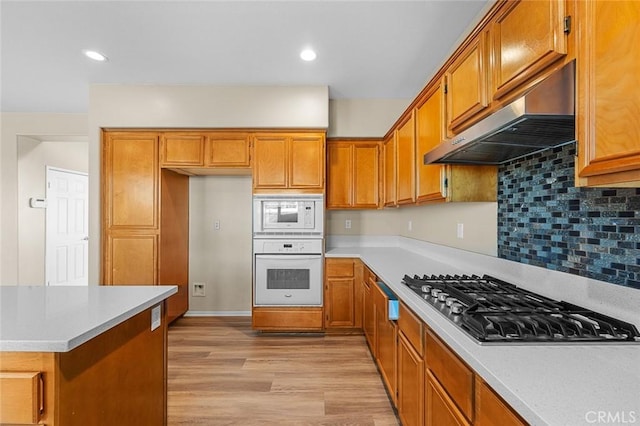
288, 246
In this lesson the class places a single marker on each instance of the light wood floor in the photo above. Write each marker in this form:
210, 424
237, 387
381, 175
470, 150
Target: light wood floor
221, 372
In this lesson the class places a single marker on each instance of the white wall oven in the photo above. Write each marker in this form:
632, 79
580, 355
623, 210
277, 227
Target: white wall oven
299, 215
288, 272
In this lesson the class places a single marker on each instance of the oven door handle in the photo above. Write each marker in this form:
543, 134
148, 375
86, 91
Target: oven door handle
305, 256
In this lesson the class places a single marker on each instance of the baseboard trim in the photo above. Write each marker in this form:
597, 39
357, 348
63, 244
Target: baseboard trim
217, 314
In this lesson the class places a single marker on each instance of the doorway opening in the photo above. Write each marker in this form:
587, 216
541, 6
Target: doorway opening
35, 155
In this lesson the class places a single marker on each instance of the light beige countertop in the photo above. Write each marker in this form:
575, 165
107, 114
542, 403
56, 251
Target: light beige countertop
59, 319
552, 384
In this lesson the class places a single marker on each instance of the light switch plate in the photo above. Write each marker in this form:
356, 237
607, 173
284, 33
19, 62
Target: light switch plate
156, 318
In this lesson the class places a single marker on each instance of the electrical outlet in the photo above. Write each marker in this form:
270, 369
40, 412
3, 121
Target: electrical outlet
347, 224
198, 290
460, 231
216, 225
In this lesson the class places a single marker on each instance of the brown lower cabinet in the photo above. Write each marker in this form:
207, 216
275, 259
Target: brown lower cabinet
386, 342
440, 409
410, 368
368, 309
425, 379
491, 410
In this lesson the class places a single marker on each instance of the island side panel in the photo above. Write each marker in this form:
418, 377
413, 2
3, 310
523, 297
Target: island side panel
118, 377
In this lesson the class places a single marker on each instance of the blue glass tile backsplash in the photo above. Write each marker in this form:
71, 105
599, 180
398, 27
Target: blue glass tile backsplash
544, 220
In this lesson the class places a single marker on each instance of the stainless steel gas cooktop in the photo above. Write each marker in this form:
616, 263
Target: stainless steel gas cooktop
494, 311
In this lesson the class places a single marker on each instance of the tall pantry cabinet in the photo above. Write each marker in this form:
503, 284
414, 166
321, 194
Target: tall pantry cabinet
145, 217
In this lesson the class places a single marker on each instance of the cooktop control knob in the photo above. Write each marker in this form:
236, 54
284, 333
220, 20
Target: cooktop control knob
449, 301
426, 289
435, 292
457, 308
442, 296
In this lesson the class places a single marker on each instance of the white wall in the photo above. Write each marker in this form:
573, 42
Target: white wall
14, 125
435, 223
364, 117
33, 158
220, 258
115, 106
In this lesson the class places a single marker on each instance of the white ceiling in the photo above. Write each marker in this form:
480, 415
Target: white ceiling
366, 49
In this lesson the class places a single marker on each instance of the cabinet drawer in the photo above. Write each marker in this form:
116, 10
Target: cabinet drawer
454, 376
287, 319
22, 397
340, 268
411, 327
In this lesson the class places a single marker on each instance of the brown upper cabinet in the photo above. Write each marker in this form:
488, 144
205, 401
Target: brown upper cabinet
466, 84
527, 36
195, 152
182, 149
430, 122
228, 150
353, 174
405, 162
289, 161
389, 147
607, 123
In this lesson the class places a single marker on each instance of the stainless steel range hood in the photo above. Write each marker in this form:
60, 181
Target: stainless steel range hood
543, 118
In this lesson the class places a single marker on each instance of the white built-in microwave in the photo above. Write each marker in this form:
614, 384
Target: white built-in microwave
288, 215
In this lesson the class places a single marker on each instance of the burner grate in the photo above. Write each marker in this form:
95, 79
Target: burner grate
492, 310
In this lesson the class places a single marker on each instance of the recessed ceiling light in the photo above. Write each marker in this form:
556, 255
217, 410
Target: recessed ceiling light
308, 55
96, 56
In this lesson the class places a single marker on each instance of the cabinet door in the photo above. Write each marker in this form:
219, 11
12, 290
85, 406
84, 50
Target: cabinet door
430, 122
306, 162
410, 383
405, 163
491, 410
180, 150
608, 104
230, 150
366, 176
130, 177
528, 36
439, 409
369, 314
390, 172
339, 175
339, 303
455, 376
386, 341
339, 293
131, 259
270, 161
466, 84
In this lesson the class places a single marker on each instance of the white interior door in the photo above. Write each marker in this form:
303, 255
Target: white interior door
67, 238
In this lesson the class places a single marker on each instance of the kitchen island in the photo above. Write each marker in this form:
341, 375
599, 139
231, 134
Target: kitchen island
548, 384
83, 355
